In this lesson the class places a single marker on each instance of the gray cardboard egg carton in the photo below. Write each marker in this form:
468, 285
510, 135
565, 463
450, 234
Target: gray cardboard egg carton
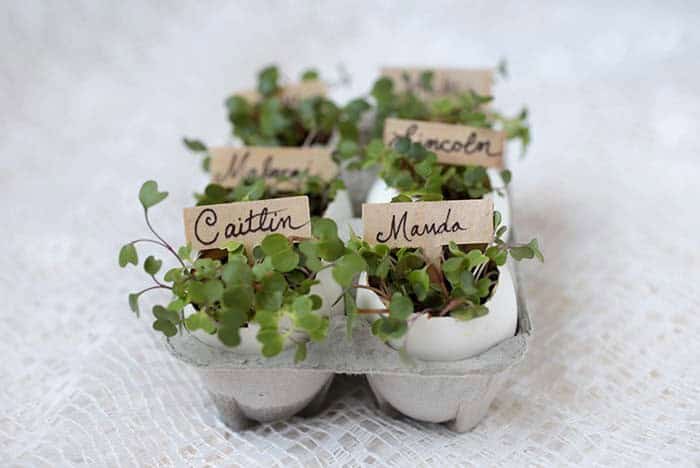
249, 389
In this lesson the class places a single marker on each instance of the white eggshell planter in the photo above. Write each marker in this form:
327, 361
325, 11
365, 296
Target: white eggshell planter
382, 193
447, 339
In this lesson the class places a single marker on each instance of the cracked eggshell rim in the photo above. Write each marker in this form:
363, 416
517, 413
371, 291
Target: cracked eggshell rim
327, 289
448, 339
382, 193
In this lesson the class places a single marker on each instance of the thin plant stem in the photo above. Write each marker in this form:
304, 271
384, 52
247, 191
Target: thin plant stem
165, 244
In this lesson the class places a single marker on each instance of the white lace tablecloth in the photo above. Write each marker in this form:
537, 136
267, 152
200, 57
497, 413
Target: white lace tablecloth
94, 98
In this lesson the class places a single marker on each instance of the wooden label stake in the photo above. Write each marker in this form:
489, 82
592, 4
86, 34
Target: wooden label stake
446, 81
213, 226
429, 225
457, 145
230, 165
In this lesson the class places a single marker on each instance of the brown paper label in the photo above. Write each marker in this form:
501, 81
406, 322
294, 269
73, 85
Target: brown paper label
458, 145
231, 165
428, 224
291, 94
446, 81
213, 226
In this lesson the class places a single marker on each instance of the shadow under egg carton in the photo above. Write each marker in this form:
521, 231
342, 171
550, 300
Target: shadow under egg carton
249, 388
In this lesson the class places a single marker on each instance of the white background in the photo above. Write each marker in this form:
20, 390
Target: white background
95, 96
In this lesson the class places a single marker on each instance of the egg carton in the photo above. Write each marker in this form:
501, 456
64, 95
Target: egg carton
250, 388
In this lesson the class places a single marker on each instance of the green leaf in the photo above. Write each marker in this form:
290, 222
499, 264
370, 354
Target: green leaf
194, 145
127, 254
166, 327
275, 243
260, 270
426, 80
521, 252
387, 328
331, 250
324, 228
185, 251
161, 313
311, 255
420, 282
316, 301
285, 261
237, 272
452, 264
239, 297
233, 246
496, 219
149, 194
506, 176
476, 257
300, 353
267, 80
348, 148
134, 303
173, 274
200, 321
536, 249
402, 145
152, 265
466, 282
347, 267
497, 255
308, 321
230, 336
206, 292
271, 340
310, 75
177, 305
302, 305
233, 317
400, 307
271, 295
469, 312
319, 334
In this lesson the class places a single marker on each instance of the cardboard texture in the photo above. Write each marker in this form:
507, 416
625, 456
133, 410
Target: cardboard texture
446, 81
429, 225
458, 145
290, 94
458, 393
213, 226
229, 165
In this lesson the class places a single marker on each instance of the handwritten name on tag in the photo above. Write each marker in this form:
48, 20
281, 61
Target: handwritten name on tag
446, 81
428, 224
213, 226
291, 94
457, 145
231, 165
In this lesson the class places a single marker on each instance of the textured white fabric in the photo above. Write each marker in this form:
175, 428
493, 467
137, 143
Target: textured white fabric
94, 98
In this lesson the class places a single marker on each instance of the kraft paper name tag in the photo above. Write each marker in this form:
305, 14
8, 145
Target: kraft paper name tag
231, 165
429, 225
457, 145
213, 226
291, 94
446, 81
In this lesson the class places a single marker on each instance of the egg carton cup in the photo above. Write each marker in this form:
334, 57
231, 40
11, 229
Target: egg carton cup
249, 388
